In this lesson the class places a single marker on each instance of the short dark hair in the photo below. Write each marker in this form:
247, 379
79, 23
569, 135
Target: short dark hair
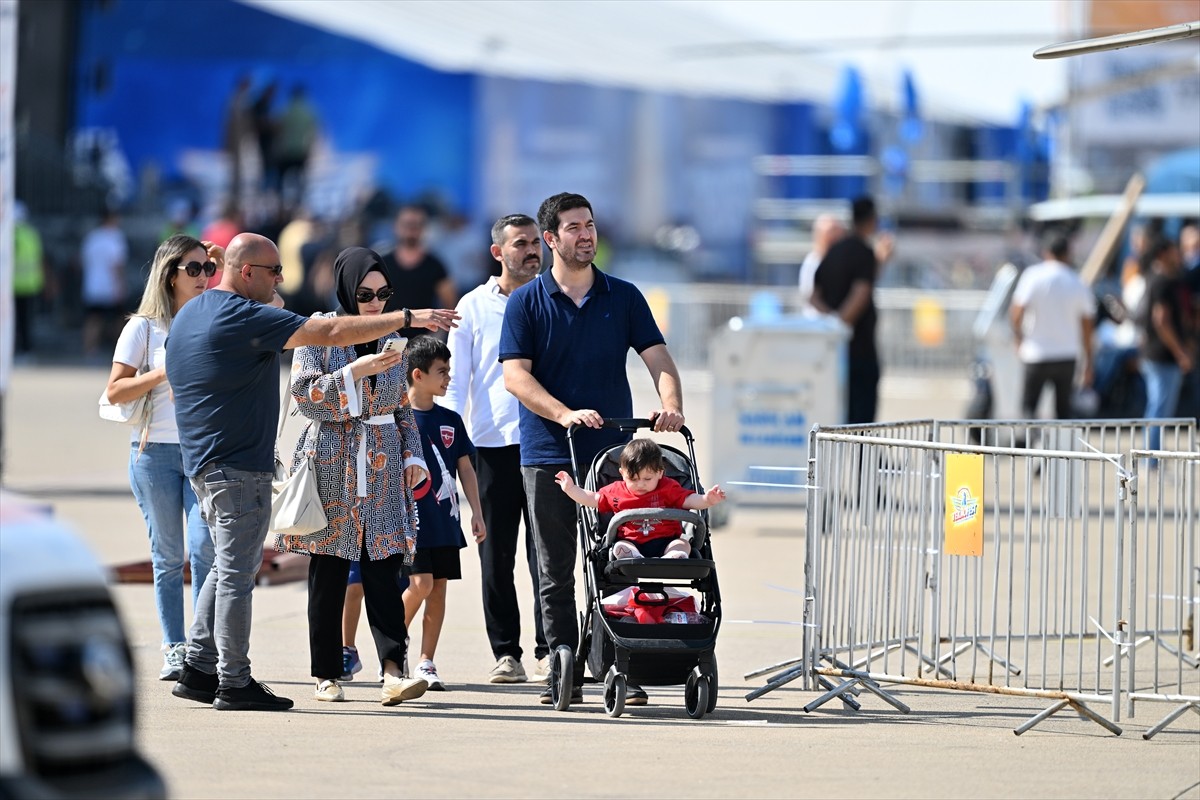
862, 210
413, 207
641, 455
1155, 248
552, 207
512, 220
1059, 246
422, 351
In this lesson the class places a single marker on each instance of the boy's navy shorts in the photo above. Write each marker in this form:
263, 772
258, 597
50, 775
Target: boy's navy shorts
440, 562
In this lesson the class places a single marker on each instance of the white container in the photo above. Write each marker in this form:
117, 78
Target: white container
772, 382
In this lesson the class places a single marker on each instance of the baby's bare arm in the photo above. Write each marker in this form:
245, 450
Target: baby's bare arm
699, 502
581, 496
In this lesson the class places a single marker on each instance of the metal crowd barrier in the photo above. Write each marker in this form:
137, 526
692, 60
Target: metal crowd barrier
1071, 580
1164, 517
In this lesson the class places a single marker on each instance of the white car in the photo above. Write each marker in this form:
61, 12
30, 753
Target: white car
66, 680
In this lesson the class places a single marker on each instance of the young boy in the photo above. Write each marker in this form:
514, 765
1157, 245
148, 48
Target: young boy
448, 452
644, 486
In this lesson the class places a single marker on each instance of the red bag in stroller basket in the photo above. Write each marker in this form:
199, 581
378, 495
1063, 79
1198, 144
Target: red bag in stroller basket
647, 608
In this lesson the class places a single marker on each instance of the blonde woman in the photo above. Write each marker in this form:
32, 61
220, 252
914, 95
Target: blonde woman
180, 271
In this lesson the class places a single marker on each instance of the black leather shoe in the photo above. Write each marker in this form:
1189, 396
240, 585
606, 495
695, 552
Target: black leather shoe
546, 699
254, 696
196, 685
635, 695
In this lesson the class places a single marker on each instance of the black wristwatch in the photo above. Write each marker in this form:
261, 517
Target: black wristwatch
407, 317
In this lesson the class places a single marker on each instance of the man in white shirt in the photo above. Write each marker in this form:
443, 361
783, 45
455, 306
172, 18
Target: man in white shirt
826, 231
1052, 316
103, 255
491, 415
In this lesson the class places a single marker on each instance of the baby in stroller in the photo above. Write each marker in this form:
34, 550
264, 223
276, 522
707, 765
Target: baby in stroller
629, 651
643, 484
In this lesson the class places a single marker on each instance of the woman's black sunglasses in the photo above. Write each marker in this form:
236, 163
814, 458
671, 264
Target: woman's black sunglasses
194, 268
366, 295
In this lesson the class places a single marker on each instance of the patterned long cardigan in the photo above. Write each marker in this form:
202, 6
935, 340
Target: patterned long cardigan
382, 509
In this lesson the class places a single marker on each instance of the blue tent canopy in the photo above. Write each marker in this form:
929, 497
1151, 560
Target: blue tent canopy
1174, 172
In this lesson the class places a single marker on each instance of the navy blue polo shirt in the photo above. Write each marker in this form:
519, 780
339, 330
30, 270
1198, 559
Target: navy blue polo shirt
579, 355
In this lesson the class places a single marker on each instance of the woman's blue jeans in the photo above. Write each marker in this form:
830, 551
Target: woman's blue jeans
170, 509
1163, 382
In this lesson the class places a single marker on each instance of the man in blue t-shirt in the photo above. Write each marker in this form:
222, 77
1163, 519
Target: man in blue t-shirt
563, 344
222, 363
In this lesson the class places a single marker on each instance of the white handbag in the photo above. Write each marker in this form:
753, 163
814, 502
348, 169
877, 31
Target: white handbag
296, 507
296, 504
136, 412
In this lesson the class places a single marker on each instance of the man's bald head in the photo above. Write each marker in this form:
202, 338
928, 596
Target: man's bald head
249, 260
247, 248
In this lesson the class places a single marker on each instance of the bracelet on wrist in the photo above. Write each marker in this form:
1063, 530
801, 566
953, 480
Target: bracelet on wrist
407, 317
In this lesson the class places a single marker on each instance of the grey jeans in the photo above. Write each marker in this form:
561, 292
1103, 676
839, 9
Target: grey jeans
552, 515
236, 505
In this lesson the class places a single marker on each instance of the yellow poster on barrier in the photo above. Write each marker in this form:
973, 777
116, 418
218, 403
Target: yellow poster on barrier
964, 504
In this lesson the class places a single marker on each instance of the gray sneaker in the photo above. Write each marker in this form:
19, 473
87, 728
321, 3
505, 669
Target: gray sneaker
172, 668
507, 670
541, 673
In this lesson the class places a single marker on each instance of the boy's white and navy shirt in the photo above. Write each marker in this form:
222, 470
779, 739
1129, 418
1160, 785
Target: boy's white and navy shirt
444, 439
476, 391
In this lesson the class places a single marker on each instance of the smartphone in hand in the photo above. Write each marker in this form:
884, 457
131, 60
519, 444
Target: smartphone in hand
394, 345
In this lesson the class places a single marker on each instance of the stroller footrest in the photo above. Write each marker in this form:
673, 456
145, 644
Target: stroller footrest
667, 568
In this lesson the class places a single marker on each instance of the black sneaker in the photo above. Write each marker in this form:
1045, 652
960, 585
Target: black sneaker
254, 696
196, 685
635, 695
546, 699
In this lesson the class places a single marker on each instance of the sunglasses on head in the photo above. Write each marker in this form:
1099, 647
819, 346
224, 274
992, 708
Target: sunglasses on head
366, 295
194, 268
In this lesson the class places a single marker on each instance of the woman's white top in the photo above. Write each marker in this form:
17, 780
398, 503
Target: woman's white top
131, 351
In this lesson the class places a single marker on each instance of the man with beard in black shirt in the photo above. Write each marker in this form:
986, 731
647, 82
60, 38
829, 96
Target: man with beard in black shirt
413, 272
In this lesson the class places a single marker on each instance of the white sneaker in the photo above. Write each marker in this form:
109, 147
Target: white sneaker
397, 690
507, 670
541, 672
172, 668
428, 671
330, 692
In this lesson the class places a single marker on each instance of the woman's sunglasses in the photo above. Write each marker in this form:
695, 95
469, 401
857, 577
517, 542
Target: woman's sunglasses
194, 268
366, 295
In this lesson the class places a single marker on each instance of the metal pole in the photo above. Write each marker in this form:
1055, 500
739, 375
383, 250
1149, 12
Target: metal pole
1077, 47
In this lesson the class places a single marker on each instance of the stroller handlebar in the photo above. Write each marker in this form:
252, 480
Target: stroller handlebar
628, 425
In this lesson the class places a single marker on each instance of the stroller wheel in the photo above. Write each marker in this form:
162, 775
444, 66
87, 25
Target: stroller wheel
712, 686
696, 694
615, 687
562, 677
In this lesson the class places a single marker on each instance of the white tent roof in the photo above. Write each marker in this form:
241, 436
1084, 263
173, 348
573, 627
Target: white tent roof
656, 45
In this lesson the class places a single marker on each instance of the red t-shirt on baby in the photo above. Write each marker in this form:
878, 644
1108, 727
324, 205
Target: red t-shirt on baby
669, 494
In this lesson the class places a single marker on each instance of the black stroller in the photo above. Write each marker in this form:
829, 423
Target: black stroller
619, 651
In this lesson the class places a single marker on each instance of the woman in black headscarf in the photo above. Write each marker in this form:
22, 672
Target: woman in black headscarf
368, 457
